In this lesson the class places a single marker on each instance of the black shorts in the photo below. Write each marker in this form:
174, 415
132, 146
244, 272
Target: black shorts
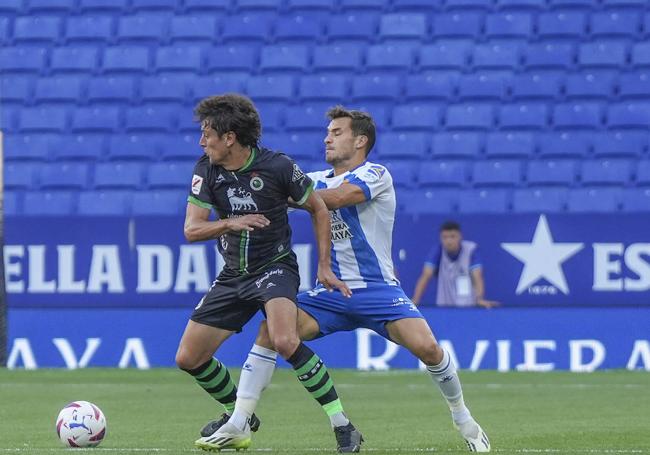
234, 299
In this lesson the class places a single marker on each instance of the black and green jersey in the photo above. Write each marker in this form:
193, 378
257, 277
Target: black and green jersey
263, 185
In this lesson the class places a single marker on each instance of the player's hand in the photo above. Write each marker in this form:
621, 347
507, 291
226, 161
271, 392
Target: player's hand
329, 281
487, 303
248, 223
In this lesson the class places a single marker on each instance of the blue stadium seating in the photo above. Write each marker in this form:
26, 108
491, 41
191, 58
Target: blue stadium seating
118, 175
531, 5
28, 147
50, 6
306, 118
337, 58
246, 27
402, 173
21, 60
300, 145
257, 5
445, 55
88, 28
134, 147
457, 25
561, 24
401, 145
634, 85
232, 58
465, 5
392, 57
606, 172
223, 83
149, 119
643, 172
550, 56
594, 200
142, 28
159, 202
406, 26
118, 89
155, 5
103, 5
37, 29
182, 147
482, 86
179, 59
376, 87
63, 175
578, 115
99, 203
496, 173
509, 145
524, 116
551, 172
509, 25
620, 144
169, 174
470, 116
641, 54
623, 24
58, 89
590, 85
484, 201
496, 56
456, 145
537, 85
602, 54
629, 115
43, 120
297, 28
11, 203
16, 89
194, 29
201, 6
168, 88
324, 87
539, 200
422, 117
14, 6
284, 58
564, 145
419, 202
271, 88
96, 119
636, 200
352, 27
364, 6
126, 59
430, 87
4, 29
79, 147
46, 203
74, 59
272, 116
21, 176
442, 173
8, 119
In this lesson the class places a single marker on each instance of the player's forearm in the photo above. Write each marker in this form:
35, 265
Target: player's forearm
331, 198
197, 231
477, 283
419, 289
322, 229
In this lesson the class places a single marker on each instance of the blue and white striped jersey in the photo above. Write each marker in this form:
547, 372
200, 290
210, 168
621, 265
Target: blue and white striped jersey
362, 234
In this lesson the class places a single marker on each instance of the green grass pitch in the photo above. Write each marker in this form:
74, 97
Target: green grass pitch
161, 411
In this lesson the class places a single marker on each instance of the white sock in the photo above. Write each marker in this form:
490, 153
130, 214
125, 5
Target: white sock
446, 377
255, 377
339, 420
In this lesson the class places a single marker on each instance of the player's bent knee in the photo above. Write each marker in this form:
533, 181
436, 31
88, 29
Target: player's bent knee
285, 345
263, 339
186, 361
430, 353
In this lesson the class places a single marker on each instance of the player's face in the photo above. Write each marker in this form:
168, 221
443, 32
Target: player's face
450, 241
215, 146
339, 142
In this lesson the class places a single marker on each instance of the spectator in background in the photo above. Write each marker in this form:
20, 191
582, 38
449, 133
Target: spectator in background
456, 264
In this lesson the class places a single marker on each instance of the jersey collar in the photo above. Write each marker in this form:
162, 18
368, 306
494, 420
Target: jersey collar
249, 161
331, 173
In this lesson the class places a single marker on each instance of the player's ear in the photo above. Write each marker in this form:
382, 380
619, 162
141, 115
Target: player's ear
231, 138
361, 141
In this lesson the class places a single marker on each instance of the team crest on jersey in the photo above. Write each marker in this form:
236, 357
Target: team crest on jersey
340, 229
298, 175
257, 183
220, 178
197, 181
375, 172
240, 199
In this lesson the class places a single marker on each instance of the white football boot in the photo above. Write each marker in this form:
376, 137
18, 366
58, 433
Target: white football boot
226, 437
474, 436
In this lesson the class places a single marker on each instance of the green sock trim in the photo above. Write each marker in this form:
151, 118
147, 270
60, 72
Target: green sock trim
323, 390
223, 392
307, 366
333, 407
216, 380
316, 378
229, 407
213, 366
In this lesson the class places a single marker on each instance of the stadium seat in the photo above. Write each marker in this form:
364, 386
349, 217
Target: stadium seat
364, 6
21, 60
4, 30
390, 57
457, 25
16, 89
420, 202
594, 200
511, 25
524, 116
159, 202
11, 205
326, 87
590, 85
271, 88
552, 172
467, 5
186, 59
539, 200
50, 6
643, 173
565, 144
561, 4
330, 58
297, 28
259, 6
470, 116
613, 4
429, 87
170, 174
194, 29
456, 145
36, 147
43, 120
181, 147
284, 58
537, 85
126, 59
80, 147
118, 89
550, 56
446, 55
95, 119
577, 115
402, 146
155, 5
135, 147
88, 28
74, 59
641, 54
442, 173
352, 27
509, 145
482, 86
407, 117
232, 58
602, 54
307, 117
48, 203
379, 110
118, 175
403, 26
58, 89
37, 29
246, 27
298, 145
201, 6
149, 119
104, 5
402, 172
496, 173
100, 203
8, 119
617, 24
634, 85
519, 5
222, 83
629, 115
64, 175
167, 88
376, 87
14, 6
484, 201
309, 5
620, 144
606, 172
503, 56
636, 200
561, 24
21, 176
272, 115
142, 28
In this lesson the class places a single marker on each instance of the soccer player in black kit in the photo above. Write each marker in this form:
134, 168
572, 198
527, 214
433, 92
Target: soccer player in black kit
249, 188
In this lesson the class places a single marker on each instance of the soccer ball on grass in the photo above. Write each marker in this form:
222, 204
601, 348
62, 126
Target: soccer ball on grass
81, 424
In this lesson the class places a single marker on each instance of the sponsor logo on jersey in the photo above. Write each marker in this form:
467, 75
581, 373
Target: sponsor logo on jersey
220, 178
266, 276
240, 199
297, 175
340, 229
197, 181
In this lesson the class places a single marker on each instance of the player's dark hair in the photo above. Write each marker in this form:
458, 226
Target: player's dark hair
362, 123
450, 226
231, 112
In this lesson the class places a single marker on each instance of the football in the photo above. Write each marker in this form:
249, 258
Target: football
81, 424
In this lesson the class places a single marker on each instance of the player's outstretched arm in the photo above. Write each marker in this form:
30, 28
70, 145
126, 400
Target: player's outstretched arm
344, 195
322, 228
199, 227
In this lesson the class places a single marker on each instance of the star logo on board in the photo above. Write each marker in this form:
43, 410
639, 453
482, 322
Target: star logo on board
542, 258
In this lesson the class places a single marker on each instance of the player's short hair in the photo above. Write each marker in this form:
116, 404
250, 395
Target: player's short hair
362, 123
231, 112
450, 226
